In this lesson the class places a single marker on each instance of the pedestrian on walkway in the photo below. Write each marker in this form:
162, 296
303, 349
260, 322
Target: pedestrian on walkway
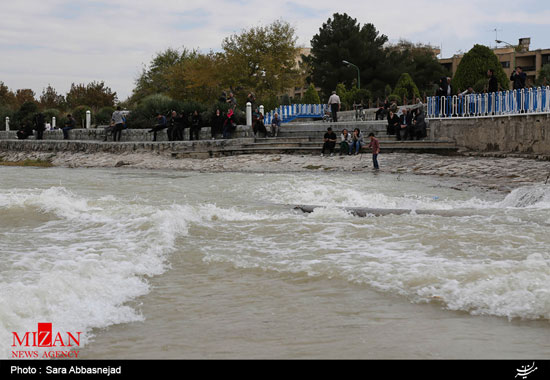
118, 121
334, 104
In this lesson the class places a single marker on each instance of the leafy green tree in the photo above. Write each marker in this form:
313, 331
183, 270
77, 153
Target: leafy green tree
343, 38
406, 88
473, 67
7, 97
23, 96
419, 60
94, 95
51, 99
158, 77
310, 96
262, 60
543, 76
197, 76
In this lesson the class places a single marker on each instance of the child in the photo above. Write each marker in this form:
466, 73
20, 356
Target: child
375, 146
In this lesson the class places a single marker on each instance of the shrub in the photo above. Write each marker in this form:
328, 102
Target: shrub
79, 114
311, 96
406, 88
104, 115
25, 114
473, 68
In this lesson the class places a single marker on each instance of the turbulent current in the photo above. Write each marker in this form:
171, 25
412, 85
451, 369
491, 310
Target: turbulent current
80, 247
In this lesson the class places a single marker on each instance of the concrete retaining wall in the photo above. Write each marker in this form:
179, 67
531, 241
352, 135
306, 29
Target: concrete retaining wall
529, 134
199, 147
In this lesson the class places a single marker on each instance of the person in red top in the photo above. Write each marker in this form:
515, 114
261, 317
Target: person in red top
375, 146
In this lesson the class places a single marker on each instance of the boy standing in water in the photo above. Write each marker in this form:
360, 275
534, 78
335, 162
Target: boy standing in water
375, 146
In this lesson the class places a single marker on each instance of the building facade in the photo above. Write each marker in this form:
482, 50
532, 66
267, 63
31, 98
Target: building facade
531, 61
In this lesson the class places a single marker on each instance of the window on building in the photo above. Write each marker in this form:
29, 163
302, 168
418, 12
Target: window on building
505, 64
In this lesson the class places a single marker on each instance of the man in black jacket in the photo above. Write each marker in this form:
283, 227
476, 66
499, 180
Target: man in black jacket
493, 82
40, 125
518, 77
330, 142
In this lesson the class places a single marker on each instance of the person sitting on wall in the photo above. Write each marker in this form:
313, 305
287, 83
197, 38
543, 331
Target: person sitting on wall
258, 125
69, 124
393, 122
159, 126
25, 131
345, 141
407, 120
275, 125
356, 141
330, 142
109, 130
382, 112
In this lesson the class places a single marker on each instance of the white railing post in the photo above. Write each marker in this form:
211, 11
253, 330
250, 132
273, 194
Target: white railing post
7, 123
88, 119
261, 109
248, 114
53, 122
454, 105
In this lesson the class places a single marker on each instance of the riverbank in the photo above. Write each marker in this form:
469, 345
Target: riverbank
496, 173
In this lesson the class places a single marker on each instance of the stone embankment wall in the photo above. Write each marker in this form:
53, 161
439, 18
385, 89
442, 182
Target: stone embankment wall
98, 134
523, 134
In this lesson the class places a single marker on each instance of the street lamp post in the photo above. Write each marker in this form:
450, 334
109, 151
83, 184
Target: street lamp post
514, 55
358, 72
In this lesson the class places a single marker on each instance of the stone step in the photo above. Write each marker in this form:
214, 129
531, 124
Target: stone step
438, 147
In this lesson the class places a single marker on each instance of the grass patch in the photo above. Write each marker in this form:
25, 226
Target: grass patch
312, 167
36, 163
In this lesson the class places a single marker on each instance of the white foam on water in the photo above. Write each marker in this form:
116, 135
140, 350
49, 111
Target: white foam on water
82, 267
536, 196
93, 258
495, 263
355, 192
82, 271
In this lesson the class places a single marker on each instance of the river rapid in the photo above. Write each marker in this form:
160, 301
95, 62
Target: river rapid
174, 264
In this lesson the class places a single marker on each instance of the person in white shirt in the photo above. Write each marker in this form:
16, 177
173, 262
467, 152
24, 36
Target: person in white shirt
334, 104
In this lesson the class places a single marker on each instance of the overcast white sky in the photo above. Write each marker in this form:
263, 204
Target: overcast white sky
59, 42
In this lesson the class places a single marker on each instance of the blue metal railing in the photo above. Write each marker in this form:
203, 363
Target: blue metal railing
512, 102
293, 111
